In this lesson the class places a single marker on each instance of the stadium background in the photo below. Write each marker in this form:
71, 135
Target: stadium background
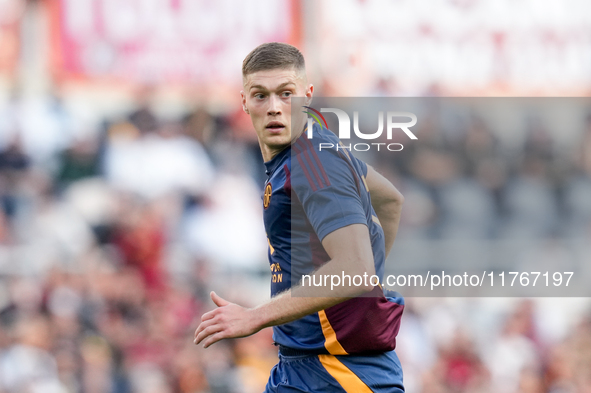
130, 185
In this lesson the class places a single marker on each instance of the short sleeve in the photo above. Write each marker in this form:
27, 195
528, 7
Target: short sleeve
362, 165
327, 186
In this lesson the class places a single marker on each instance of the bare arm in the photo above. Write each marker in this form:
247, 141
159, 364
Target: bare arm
350, 251
387, 202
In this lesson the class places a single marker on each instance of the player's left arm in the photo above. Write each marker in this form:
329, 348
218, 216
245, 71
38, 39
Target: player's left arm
350, 252
387, 202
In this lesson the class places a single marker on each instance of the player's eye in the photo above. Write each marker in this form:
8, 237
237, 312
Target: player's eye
259, 96
286, 94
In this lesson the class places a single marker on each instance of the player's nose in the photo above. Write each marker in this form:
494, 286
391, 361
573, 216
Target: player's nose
274, 106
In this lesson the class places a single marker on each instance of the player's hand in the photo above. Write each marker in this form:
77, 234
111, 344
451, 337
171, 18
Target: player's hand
229, 320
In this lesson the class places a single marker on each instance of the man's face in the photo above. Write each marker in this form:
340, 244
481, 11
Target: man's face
267, 99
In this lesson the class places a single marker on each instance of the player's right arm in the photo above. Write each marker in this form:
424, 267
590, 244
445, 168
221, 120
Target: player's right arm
350, 252
387, 202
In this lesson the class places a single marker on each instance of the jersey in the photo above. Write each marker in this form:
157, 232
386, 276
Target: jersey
310, 193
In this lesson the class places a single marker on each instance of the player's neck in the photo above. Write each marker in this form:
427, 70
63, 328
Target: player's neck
269, 152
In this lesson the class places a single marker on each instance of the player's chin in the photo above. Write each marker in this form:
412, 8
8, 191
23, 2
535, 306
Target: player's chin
276, 141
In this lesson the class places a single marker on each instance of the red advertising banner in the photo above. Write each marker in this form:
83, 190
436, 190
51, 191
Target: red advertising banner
10, 14
489, 47
149, 41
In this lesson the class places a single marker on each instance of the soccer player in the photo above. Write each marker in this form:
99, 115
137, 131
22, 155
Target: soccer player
320, 221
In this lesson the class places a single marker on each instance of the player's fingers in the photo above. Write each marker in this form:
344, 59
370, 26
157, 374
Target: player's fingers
208, 315
202, 326
205, 333
214, 338
218, 300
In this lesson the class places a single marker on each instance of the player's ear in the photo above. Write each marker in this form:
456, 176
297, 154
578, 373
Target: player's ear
309, 94
244, 108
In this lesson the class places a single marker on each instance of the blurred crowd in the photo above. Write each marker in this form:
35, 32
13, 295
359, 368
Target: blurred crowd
112, 237
517, 202
110, 241
466, 180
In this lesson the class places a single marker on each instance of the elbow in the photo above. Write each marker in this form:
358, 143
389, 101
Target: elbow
366, 278
395, 200
365, 290
358, 291
393, 196
398, 198
356, 277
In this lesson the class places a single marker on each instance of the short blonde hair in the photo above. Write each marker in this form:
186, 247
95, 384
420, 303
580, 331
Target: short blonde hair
273, 55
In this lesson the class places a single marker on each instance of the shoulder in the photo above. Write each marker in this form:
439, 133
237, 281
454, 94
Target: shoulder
316, 166
321, 146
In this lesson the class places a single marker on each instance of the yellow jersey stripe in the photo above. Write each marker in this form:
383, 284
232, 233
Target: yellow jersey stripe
332, 345
345, 377
365, 183
376, 220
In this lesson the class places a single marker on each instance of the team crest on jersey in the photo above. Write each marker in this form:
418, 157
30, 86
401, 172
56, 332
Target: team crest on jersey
267, 195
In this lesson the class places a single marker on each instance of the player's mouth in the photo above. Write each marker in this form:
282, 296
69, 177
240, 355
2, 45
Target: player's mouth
275, 127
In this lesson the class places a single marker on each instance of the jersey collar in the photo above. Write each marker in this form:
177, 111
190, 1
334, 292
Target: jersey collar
274, 162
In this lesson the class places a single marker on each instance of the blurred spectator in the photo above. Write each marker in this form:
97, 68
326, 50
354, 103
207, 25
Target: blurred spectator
143, 117
139, 236
462, 368
27, 366
78, 162
13, 164
199, 125
514, 352
158, 163
532, 209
